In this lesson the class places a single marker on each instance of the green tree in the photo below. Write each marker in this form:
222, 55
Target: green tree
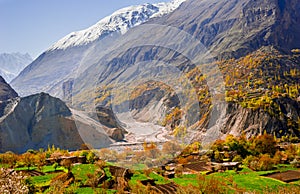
91, 157
238, 144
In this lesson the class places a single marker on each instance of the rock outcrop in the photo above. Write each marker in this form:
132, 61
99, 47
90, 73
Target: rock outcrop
6, 92
237, 120
39, 121
231, 28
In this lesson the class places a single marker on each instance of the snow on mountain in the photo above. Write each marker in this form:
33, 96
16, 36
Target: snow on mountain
8, 76
120, 21
59, 64
12, 64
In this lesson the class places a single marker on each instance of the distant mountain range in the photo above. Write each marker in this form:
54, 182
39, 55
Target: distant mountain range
12, 64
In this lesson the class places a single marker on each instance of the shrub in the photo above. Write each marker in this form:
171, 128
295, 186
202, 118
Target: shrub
248, 160
9, 158
278, 157
67, 164
291, 152
290, 189
295, 163
178, 171
55, 165
28, 159
139, 188
205, 184
263, 162
237, 158
264, 144
56, 187
91, 157
218, 156
153, 153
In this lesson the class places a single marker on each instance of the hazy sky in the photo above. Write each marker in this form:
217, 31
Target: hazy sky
32, 26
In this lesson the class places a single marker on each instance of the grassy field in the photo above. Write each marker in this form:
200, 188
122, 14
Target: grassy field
186, 180
80, 171
251, 181
45, 169
245, 179
158, 178
40, 181
89, 190
230, 181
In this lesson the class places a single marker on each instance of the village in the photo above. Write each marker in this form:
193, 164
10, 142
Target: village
95, 170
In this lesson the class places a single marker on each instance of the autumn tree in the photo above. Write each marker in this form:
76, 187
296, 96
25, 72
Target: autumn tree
40, 160
238, 144
262, 162
151, 150
28, 159
218, 145
9, 158
291, 152
264, 144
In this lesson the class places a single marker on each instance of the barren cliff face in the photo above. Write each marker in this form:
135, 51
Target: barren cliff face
233, 28
6, 92
40, 120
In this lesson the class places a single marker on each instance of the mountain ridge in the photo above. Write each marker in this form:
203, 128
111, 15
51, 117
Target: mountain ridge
120, 21
65, 58
259, 73
11, 64
40, 120
235, 28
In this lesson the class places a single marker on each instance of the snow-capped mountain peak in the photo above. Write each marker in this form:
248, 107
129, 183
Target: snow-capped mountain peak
120, 21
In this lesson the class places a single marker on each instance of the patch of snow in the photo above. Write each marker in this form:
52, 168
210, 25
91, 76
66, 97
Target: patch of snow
120, 21
11, 64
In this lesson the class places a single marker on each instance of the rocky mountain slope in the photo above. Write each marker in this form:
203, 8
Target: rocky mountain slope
234, 28
209, 68
60, 63
12, 64
252, 51
225, 28
39, 121
6, 92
